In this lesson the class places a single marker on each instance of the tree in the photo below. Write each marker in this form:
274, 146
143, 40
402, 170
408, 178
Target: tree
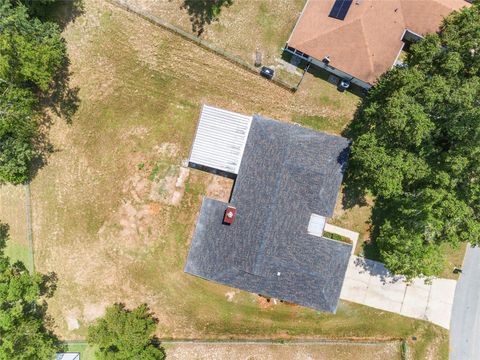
125, 334
23, 323
31, 51
18, 129
416, 149
31, 54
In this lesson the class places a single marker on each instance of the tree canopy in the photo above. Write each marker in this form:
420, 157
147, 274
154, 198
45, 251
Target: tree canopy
125, 334
23, 330
31, 53
416, 149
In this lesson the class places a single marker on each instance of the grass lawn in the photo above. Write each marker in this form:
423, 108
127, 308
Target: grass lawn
13, 213
242, 28
86, 352
114, 210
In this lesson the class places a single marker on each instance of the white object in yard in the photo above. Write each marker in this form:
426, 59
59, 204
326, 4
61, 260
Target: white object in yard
316, 225
220, 139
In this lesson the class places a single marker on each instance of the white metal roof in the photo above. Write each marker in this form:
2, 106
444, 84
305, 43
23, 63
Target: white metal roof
220, 139
68, 356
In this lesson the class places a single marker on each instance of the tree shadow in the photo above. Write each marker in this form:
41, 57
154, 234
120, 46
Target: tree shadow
63, 99
203, 12
49, 284
4, 229
61, 12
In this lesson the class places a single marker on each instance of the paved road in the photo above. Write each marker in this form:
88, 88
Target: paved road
465, 324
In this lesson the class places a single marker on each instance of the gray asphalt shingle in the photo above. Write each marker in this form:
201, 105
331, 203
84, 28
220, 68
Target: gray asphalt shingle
287, 173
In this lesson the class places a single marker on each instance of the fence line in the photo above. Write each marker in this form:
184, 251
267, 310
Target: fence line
28, 211
266, 342
155, 20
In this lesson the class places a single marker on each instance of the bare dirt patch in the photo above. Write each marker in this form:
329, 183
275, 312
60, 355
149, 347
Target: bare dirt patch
219, 188
71, 317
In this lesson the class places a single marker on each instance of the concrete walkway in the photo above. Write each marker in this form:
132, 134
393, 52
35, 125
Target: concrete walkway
367, 282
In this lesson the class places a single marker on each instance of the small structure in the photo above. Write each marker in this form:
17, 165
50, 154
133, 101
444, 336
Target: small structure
363, 40
286, 185
68, 356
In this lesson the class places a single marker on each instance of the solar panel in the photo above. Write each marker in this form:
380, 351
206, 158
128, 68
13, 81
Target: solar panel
340, 9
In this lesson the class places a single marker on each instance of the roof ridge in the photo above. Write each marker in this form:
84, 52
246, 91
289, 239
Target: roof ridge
329, 32
367, 47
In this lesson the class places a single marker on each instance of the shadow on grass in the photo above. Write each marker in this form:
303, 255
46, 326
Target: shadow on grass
63, 101
371, 251
203, 12
319, 72
61, 12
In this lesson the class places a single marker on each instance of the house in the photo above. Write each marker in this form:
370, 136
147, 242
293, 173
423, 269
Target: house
360, 40
287, 179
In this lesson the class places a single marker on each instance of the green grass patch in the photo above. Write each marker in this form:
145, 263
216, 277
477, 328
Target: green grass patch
86, 352
19, 252
336, 237
321, 123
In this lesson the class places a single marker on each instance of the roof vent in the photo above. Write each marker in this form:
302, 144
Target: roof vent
229, 216
316, 225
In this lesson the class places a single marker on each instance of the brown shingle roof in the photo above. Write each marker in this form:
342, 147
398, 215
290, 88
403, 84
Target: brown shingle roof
367, 42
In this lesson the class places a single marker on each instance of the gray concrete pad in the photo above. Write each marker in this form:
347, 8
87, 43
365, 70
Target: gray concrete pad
416, 300
443, 290
439, 313
367, 282
384, 295
354, 291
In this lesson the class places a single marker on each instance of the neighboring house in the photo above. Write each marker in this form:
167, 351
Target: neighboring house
360, 40
68, 356
287, 179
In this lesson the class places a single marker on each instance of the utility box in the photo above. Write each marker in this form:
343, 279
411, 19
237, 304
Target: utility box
258, 58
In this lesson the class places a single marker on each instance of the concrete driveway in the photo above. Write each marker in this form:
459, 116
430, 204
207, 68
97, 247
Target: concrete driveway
368, 283
465, 326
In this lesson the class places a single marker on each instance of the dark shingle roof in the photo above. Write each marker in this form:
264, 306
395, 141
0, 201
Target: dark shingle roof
287, 173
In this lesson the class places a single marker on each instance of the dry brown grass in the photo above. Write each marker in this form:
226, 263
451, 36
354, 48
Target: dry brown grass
241, 28
390, 351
